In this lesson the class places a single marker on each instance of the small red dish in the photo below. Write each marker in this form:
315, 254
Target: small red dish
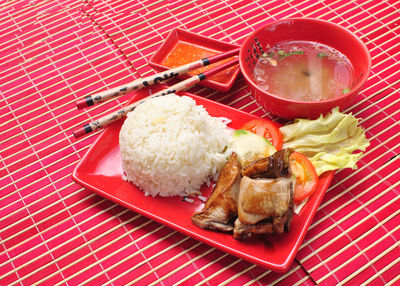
179, 36
101, 171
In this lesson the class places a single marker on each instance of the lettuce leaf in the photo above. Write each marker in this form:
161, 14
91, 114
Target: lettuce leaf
329, 142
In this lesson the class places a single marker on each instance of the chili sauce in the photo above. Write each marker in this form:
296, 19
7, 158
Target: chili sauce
184, 53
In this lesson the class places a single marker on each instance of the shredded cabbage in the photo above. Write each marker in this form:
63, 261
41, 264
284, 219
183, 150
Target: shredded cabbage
327, 141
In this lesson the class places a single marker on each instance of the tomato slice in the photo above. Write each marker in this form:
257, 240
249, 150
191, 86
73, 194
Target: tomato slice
306, 176
266, 129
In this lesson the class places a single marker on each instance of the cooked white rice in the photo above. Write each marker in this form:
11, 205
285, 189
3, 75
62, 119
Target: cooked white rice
171, 146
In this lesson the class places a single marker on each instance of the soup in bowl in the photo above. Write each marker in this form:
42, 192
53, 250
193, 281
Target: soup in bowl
303, 67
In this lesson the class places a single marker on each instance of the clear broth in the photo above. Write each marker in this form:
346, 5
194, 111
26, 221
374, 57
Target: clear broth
303, 71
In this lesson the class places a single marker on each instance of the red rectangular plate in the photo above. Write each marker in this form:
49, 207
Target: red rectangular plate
177, 35
100, 170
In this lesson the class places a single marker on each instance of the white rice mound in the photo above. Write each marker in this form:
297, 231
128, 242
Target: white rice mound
170, 146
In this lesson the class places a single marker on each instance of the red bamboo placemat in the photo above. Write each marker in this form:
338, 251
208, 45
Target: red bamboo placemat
53, 231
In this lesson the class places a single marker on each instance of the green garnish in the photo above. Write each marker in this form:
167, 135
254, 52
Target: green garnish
283, 55
345, 90
239, 131
268, 55
322, 55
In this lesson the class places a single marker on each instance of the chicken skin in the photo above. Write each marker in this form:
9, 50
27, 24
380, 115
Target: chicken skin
264, 206
221, 207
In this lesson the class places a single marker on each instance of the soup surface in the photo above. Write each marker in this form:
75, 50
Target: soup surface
303, 71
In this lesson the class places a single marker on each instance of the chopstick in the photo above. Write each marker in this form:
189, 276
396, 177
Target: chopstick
150, 80
116, 115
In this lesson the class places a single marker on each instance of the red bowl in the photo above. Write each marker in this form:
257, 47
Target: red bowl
304, 29
180, 35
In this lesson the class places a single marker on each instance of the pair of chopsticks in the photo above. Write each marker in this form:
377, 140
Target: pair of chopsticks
144, 82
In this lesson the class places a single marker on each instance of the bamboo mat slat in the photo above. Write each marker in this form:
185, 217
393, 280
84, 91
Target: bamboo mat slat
55, 232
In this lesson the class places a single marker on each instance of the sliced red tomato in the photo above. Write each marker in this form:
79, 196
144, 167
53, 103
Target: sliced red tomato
306, 176
266, 129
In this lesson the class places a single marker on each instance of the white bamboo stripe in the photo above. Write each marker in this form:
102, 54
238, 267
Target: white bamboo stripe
348, 202
123, 248
273, 16
70, 63
354, 242
385, 69
376, 21
44, 158
394, 280
36, 144
37, 6
346, 19
55, 100
24, 187
34, 43
41, 169
336, 223
394, 92
385, 25
127, 233
140, 251
193, 260
351, 16
200, 269
218, 272
266, 272
386, 87
55, 225
385, 51
11, 4
81, 234
370, 162
89, 33
362, 251
239, 22
157, 15
38, 211
159, 266
380, 272
302, 280
92, 206
53, 15
381, 36
56, 117
240, 273
326, 5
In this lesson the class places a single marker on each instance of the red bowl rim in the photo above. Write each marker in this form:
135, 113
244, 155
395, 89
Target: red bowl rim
359, 84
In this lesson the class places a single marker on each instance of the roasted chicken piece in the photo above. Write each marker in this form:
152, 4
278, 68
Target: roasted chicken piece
274, 166
264, 206
221, 207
